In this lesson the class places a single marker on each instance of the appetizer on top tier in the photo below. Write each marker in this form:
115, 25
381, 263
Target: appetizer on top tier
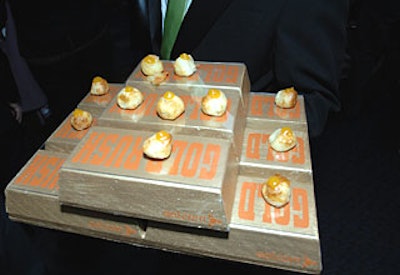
282, 139
153, 68
81, 120
158, 146
276, 190
286, 98
170, 106
129, 98
99, 86
214, 103
151, 65
184, 65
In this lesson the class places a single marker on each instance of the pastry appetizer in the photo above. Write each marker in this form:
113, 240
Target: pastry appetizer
282, 139
276, 190
153, 68
286, 98
214, 103
151, 65
158, 146
184, 65
170, 106
81, 120
129, 98
99, 86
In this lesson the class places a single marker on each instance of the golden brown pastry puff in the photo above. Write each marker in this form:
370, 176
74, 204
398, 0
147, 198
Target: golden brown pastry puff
184, 65
99, 86
153, 68
129, 98
170, 106
286, 98
151, 65
214, 103
81, 120
282, 139
276, 190
158, 146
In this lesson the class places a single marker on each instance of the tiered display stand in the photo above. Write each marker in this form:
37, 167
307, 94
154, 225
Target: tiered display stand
203, 200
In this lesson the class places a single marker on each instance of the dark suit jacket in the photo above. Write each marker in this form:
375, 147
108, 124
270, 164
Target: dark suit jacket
283, 43
49, 30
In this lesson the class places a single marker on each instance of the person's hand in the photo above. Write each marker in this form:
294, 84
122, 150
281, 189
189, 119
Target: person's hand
16, 111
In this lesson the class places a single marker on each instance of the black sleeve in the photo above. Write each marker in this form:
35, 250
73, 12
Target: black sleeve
9, 91
47, 28
310, 50
3, 14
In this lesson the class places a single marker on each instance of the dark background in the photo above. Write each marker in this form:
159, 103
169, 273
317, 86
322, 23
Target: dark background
356, 171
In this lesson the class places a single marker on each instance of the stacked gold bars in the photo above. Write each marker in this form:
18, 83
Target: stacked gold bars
204, 199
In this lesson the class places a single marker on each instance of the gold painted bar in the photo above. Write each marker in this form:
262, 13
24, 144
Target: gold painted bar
285, 238
195, 186
193, 121
32, 197
262, 108
203, 200
95, 104
258, 154
259, 234
227, 75
65, 138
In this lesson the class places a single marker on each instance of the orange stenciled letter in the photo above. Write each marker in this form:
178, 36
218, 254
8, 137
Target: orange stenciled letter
192, 160
256, 105
27, 174
247, 199
261, 102
88, 148
300, 157
179, 148
120, 150
41, 173
218, 74
282, 215
300, 203
253, 146
232, 73
211, 156
207, 69
133, 160
51, 179
103, 150
53, 184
